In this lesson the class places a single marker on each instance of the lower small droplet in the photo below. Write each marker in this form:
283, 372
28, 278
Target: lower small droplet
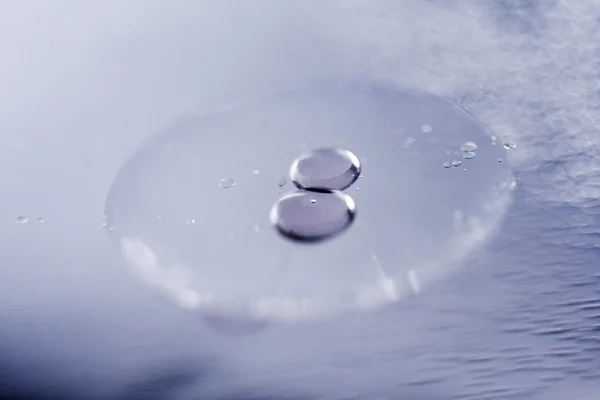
447, 164
456, 163
469, 155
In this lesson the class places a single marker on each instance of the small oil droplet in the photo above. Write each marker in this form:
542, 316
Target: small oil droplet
226, 183
256, 172
426, 129
456, 163
447, 164
500, 161
468, 146
281, 182
40, 219
22, 220
509, 145
469, 155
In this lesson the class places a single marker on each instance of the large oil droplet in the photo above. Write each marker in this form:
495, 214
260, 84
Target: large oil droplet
404, 232
326, 168
308, 216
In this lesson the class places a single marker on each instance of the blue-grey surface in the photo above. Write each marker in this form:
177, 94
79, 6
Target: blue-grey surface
84, 82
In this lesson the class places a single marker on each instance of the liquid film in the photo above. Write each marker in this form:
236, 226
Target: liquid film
231, 261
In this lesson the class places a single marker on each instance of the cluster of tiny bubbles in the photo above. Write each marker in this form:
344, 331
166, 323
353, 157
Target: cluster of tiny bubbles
230, 269
318, 210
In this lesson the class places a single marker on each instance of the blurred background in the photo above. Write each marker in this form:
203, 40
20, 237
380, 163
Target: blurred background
82, 83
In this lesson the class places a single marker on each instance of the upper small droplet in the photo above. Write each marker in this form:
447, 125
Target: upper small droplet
329, 168
22, 220
509, 145
468, 146
226, 183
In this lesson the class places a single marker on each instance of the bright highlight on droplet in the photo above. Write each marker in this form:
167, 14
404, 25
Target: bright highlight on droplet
328, 168
306, 216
